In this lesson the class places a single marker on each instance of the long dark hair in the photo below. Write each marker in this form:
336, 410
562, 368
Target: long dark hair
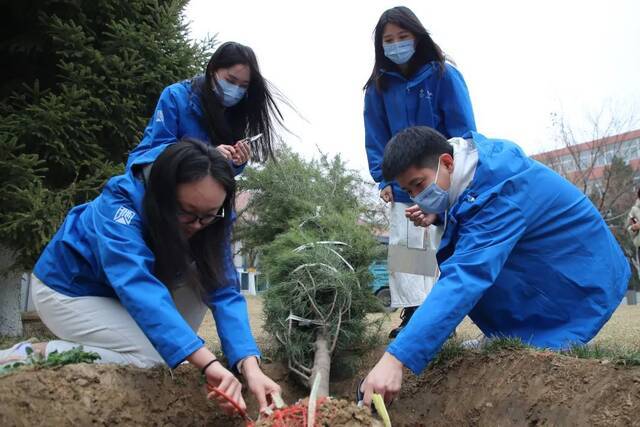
254, 114
426, 49
187, 161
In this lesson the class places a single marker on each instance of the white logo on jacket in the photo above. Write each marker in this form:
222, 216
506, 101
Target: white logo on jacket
159, 116
429, 94
124, 215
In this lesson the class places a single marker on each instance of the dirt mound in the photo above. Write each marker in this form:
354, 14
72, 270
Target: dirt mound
521, 388
506, 388
106, 395
513, 387
85, 394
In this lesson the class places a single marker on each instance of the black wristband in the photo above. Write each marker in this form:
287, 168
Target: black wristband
209, 364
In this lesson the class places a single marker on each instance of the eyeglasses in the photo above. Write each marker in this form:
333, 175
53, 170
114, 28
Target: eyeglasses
189, 218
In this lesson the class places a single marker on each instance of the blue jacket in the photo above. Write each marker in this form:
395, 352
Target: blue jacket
427, 99
525, 254
178, 114
100, 251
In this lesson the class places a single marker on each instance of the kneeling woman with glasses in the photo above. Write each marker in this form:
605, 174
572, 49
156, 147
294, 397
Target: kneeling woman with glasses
131, 274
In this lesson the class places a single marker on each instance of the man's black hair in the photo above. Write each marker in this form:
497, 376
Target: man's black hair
418, 146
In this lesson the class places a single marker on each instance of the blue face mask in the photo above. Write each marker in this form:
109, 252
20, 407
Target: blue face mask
433, 199
231, 94
399, 52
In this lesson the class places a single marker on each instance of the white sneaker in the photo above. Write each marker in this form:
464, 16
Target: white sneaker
475, 344
17, 353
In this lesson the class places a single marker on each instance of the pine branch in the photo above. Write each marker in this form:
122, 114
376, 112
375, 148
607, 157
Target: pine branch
313, 303
305, 377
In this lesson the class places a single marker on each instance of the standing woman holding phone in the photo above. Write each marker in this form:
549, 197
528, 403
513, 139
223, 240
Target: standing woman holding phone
411, 85
230, 107
230, 102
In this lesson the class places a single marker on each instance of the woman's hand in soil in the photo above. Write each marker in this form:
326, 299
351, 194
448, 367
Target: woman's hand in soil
260, 385
242, 153
219, 377
385, 379
227, 383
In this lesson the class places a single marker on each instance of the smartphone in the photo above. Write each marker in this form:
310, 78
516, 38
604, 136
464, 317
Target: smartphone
634, 220
251, 140
254, 138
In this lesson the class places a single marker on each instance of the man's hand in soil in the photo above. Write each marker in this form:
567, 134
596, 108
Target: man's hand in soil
260, 385
419, 218
385, 379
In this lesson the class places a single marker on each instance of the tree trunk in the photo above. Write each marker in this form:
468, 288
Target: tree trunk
10, 291
321, 364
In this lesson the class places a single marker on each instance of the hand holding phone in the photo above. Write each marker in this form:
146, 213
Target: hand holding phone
243, 149
254, 138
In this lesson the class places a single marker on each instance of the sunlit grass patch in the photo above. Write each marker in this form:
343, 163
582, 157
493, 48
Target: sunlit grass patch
616, 354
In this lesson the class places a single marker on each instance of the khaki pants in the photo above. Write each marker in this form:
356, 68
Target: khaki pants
102, 325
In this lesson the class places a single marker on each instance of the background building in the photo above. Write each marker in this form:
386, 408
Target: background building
586, 162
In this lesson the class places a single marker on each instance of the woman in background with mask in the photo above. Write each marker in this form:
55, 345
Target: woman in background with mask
411, 85
230, 102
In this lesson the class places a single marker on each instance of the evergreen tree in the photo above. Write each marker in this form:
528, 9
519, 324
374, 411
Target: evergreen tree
79, 81
305, 218
290, 189
319, 295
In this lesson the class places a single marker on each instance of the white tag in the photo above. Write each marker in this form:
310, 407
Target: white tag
413, 261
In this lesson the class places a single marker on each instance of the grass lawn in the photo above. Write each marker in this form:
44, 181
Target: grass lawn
622, 330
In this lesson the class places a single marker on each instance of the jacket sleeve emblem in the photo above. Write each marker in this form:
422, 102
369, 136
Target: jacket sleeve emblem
124, 215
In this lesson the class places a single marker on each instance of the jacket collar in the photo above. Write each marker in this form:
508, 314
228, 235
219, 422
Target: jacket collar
194, 94
422, 73
465, 157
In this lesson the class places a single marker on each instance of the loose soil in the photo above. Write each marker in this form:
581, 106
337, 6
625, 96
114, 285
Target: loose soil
521, 387
329, 412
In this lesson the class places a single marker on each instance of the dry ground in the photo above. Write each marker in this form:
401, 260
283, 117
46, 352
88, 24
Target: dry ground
521, 387
623, 329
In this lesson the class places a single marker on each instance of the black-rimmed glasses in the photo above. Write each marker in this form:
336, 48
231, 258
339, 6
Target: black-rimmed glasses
189, 218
